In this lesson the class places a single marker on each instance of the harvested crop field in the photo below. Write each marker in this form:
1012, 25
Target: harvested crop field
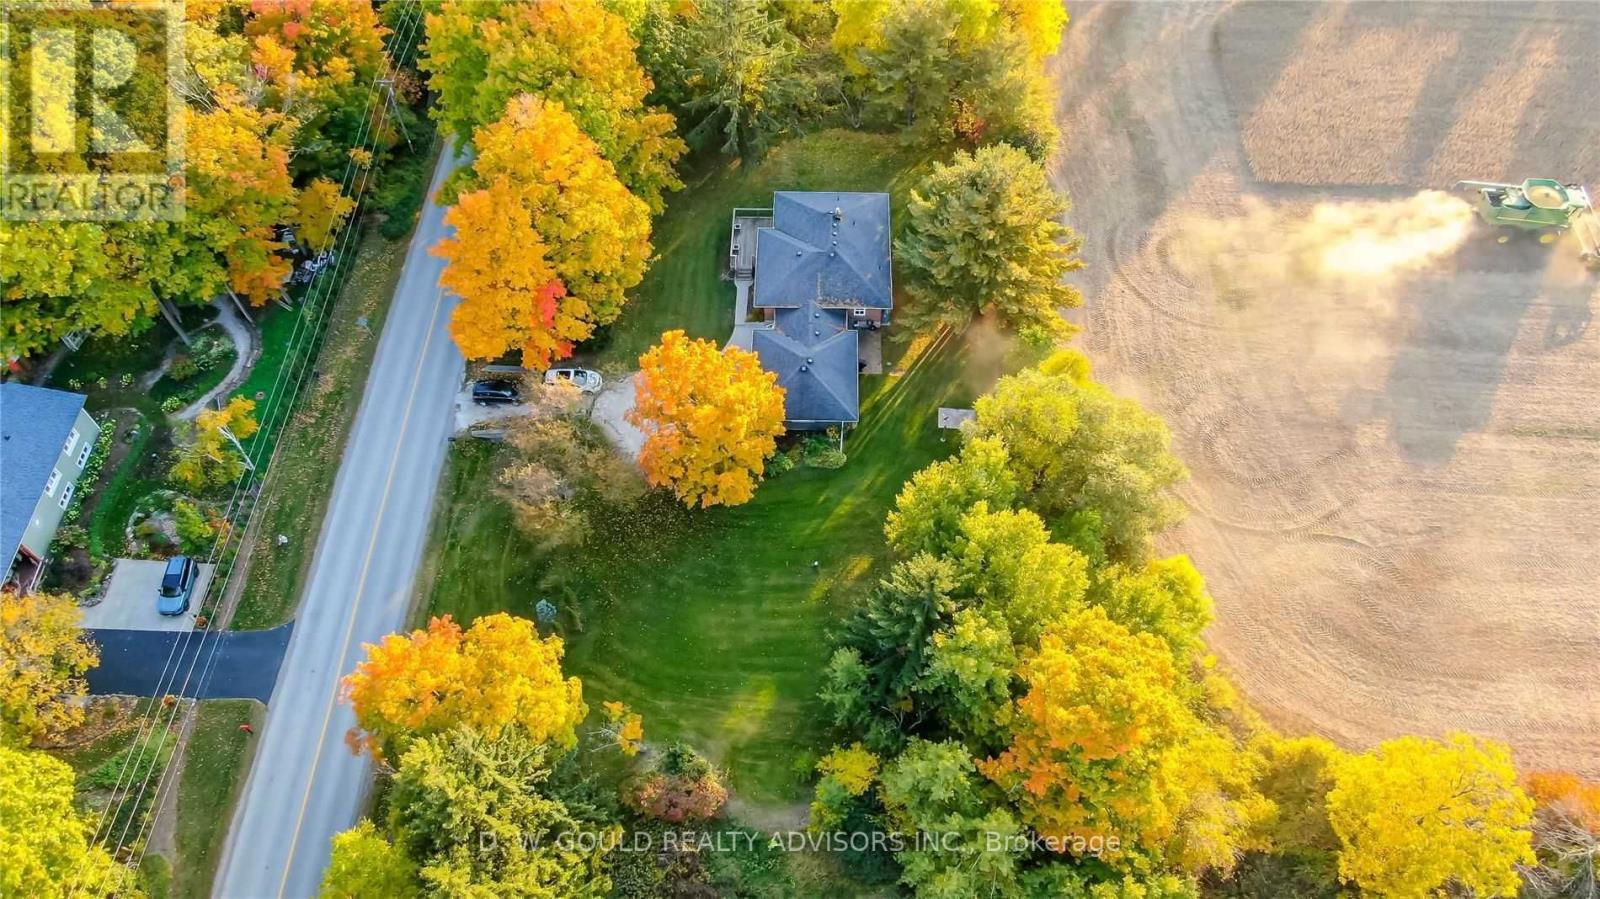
1392, 421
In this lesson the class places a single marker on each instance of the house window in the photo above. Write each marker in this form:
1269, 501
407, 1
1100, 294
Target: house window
72, 441
50, 485
83, 454
859, 313
66, 495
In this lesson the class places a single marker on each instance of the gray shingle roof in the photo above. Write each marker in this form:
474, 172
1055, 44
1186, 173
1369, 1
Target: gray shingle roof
809, 253
34, 424
815, 358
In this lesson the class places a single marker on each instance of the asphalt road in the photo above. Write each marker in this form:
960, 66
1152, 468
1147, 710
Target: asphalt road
305, 785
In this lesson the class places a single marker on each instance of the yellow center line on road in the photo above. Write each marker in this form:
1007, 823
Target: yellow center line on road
361, 586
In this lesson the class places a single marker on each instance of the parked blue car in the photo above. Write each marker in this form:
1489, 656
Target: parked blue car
176, 585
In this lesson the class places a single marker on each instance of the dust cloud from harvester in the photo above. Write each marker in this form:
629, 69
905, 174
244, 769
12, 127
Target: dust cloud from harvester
1267, 247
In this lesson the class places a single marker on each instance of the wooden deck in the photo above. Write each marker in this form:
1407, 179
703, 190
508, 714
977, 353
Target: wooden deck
742, 240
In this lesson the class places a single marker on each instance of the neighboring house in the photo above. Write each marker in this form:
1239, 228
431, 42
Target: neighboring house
821, 272
46, 438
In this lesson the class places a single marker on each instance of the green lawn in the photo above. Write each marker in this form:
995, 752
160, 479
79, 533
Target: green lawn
713, 624
303, 477
213, 774
275, 328
684, 287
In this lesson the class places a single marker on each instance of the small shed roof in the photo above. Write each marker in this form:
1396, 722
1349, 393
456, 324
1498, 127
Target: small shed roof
953, 419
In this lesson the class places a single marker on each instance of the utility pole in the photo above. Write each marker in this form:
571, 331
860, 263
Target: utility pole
394, 108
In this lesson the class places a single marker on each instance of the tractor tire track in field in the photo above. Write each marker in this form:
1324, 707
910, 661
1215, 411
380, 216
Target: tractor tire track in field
1396, 484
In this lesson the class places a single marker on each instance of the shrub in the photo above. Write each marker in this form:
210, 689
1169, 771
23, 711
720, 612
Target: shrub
195, 532
821, 452
70, 536
778, 464
683, 787
183, 367
171, 404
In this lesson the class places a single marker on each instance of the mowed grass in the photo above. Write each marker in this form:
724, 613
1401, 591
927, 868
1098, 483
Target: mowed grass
714, 624
684, 287
213, 769
302, 481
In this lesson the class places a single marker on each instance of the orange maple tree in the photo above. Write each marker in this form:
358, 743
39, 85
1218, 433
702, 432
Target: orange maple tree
496, 674
711, 417
510, 296
239, 190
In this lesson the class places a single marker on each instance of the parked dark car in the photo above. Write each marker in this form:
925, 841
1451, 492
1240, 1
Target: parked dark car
176, 585
489, 392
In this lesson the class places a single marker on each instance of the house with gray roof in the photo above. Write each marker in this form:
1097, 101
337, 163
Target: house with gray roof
822, 275
46, 438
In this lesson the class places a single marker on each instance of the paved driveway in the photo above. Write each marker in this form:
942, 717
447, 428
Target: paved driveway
236, 664
470, 415
130, 601
610, 411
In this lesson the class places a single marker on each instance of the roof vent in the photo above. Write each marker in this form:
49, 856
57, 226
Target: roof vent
816, 333
837, 213
803, 368
799, 253
808, 360
832, 254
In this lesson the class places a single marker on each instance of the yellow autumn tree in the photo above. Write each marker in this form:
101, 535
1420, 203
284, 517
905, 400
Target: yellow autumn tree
496, 674
1101, 711
44, 839
1106, 744
211, 458
577, 226
597, 234
239, 189
319, 211
43, 656
624, 727
710, 417
854, 767
577, 52
1414, 816
510, 297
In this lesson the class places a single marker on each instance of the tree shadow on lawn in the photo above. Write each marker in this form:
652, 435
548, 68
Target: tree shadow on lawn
717, 630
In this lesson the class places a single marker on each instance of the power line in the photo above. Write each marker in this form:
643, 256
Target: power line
308, 322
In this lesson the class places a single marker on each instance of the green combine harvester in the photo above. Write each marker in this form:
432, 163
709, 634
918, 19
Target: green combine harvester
1541, 206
